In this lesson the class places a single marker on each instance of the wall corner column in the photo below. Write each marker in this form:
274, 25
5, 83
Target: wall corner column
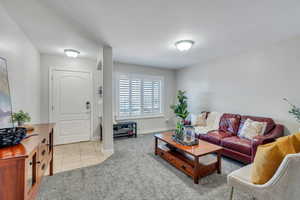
107, 117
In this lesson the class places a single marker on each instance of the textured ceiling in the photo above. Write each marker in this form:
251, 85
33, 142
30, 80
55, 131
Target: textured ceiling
144, 32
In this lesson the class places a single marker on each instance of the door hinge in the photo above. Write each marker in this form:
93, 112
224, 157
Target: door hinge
99, 66
52, 107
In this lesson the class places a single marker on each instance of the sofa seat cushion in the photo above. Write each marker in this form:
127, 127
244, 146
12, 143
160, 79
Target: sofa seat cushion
215, 136
237, 144
202, 129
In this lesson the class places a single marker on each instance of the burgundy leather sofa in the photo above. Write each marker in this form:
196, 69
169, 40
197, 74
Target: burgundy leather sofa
236, 147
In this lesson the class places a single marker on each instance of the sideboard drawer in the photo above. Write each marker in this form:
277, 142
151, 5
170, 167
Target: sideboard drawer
43, 165
43, 152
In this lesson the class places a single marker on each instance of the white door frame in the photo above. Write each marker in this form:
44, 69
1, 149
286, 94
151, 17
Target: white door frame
71, 69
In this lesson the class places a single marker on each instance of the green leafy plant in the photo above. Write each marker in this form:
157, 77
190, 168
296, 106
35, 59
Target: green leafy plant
180, 110
294, 110
179, 130
21, 117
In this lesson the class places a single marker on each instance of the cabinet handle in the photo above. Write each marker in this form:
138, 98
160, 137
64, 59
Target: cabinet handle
30, 163
44, 140
43, 166
38, 162
43, 152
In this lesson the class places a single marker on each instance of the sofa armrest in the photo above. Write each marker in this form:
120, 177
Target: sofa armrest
187, 122
276, 132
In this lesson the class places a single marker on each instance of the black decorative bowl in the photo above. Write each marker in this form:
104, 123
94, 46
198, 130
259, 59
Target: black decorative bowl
11, 136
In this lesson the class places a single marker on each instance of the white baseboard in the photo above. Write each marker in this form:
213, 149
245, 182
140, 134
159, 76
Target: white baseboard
95, 138
154, 131
108, 151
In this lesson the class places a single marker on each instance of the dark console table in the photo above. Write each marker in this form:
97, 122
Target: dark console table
122, 129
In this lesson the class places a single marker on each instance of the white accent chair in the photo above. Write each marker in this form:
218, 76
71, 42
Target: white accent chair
284, 185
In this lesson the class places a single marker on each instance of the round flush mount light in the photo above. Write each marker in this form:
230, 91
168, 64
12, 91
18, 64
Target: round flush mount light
71, 53
184, 45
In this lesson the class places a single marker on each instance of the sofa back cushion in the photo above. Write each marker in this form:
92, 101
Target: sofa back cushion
270, 123
230, 123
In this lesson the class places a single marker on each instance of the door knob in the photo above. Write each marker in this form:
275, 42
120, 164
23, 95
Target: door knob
88, 105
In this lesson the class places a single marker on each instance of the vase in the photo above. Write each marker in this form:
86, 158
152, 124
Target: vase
179, 134
189, 133
20, 123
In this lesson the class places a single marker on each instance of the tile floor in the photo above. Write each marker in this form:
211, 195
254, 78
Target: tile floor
77, 155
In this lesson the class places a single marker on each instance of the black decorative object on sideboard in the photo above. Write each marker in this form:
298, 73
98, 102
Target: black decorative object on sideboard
128, 129
11, 136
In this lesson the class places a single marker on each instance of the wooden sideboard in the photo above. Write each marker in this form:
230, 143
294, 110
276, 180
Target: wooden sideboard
23, 166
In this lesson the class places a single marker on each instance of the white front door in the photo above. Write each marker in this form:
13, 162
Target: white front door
71, 107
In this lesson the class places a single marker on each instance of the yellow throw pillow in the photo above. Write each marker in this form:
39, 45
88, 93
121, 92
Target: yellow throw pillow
295, 139
269, 157
266, 162
285, 145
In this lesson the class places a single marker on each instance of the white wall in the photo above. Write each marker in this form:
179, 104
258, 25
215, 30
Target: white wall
48, 61
253, 83
23, 63
150, 125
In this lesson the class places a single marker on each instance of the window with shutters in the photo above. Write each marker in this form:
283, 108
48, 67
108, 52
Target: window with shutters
139, 95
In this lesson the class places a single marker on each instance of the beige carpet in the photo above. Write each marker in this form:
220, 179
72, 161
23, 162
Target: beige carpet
135, 173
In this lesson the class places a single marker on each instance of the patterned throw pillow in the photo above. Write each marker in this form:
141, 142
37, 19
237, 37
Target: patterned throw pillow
253, 128
198, 120
201, 120
193, 119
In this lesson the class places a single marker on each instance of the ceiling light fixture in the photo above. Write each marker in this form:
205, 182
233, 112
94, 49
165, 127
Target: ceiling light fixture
71, 53
184, 45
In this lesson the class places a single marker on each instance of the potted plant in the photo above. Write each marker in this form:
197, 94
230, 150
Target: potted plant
21, 117
181, 112
294, 110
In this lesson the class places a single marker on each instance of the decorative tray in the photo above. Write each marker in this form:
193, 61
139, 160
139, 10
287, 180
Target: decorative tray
191, 143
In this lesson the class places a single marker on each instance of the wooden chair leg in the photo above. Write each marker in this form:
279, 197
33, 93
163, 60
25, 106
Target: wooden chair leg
231, 193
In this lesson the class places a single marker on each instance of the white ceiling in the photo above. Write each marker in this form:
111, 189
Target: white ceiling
144, 31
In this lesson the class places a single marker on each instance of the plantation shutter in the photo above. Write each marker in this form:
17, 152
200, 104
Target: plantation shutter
139, 96
124, 95
136, 101
156, 97
148, 96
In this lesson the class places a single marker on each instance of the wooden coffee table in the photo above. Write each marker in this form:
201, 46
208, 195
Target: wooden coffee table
186, 158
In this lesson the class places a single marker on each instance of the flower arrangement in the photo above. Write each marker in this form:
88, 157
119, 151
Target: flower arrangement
294, 110
21, 117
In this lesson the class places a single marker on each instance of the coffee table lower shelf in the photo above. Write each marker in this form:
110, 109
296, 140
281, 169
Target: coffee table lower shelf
186, 163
